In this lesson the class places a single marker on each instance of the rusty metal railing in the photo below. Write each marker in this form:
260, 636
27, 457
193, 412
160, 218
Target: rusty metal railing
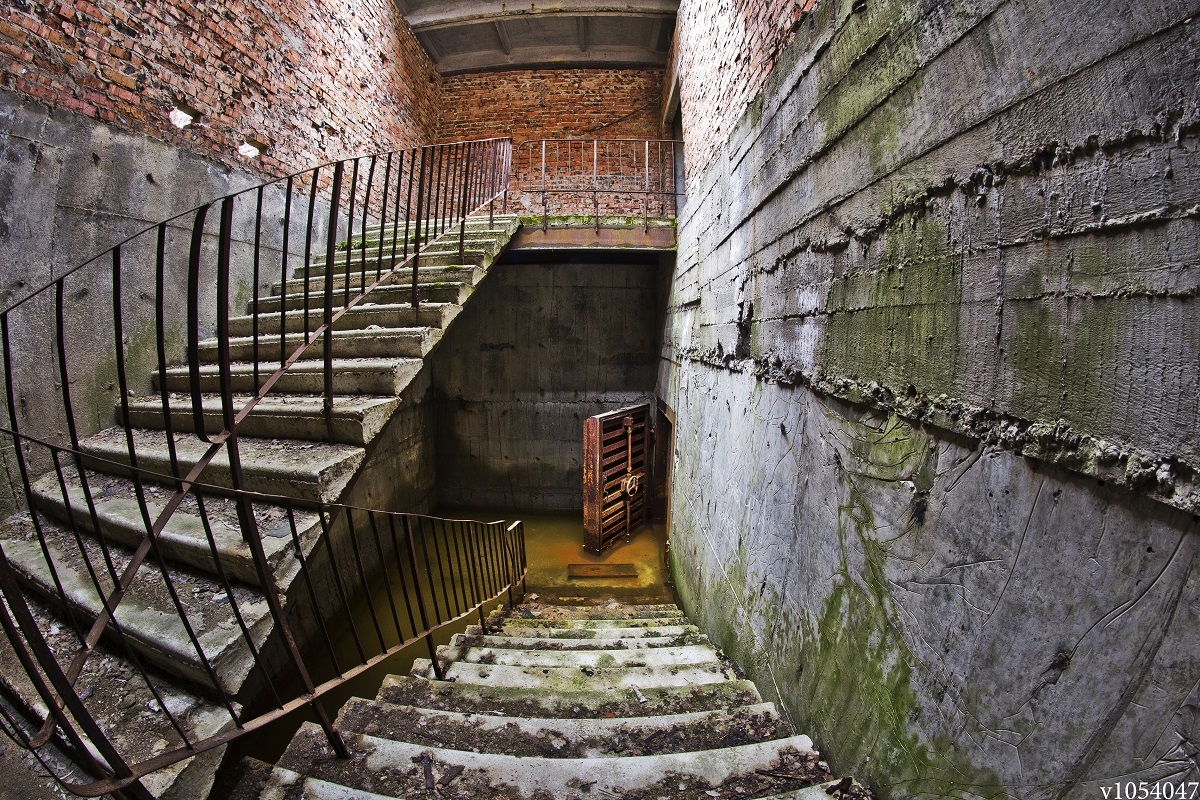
369, 583
162, 301
595, 177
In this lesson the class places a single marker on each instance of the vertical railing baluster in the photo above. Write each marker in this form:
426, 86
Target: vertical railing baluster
306, 574
383, 566
308, 236
283, 270
193, 322
369, 598
391, 518
350, 244
416, 263
425, 628
327, 318
383, 210
254, 290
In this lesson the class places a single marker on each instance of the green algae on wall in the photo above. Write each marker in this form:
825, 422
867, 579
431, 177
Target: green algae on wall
855, 677
100, 392
899, 322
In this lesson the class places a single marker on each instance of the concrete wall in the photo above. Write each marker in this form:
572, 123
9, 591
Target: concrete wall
932, 346
539, 348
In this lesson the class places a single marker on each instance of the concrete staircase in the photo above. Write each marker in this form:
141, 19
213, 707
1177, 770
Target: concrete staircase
563, 703
287, 449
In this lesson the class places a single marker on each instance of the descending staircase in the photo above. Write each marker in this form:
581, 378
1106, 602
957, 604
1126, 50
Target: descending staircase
286, 449
559, 703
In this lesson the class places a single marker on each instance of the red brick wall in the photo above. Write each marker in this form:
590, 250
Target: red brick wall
722, 53
552, 104
317, 80
555, 104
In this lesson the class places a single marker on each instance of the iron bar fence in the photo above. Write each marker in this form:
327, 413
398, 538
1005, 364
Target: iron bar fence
153, 328
595, 177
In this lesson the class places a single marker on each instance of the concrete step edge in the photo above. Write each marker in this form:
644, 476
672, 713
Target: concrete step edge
590, 702
184, 539
597, 737
576, 679
650, 658
151, 627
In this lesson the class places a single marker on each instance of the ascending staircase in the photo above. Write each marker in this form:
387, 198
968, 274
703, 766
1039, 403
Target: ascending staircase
563, 703
286, 449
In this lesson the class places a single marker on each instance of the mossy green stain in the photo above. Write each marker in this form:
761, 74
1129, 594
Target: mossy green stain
96, 396
856, 675
1063, 353
899, 322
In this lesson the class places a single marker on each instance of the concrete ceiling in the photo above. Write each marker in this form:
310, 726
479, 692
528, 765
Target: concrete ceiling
480, 35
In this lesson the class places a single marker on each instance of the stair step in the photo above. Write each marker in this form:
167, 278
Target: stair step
592, 634
556, 679
356, 420
379, 255
136, 725
434, 267
365, 343
651, 658
564, 738
542, 643
589, 702
454, 292
303, 471
541, 612
184, 539
146, 614
372, 311
294, 786
497, 225
386, 767
575, 626
351, 376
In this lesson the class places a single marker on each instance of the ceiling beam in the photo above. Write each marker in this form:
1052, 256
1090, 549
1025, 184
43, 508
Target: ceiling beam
549, 57
582, 25
427, 42
502, 35
457, 12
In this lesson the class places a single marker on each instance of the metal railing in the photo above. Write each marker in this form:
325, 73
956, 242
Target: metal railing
369, 583
595, 177
151, 321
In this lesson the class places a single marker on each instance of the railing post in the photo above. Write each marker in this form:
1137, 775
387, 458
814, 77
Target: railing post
596, 181
545, 207
646, 193
416, 264
327, 319
419, 590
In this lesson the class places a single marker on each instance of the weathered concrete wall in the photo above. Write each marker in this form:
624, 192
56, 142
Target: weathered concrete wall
538, 349
933, 350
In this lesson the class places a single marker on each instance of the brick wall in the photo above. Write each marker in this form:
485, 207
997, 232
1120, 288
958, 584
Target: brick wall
722, 53
558, 104
551, 104
315, 80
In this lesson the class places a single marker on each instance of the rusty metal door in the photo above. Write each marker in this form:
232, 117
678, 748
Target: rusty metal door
616, 449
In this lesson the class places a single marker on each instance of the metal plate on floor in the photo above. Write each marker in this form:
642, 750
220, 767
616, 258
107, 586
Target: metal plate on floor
601, 571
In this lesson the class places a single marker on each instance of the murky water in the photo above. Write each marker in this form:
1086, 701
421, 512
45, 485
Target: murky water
553, 541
